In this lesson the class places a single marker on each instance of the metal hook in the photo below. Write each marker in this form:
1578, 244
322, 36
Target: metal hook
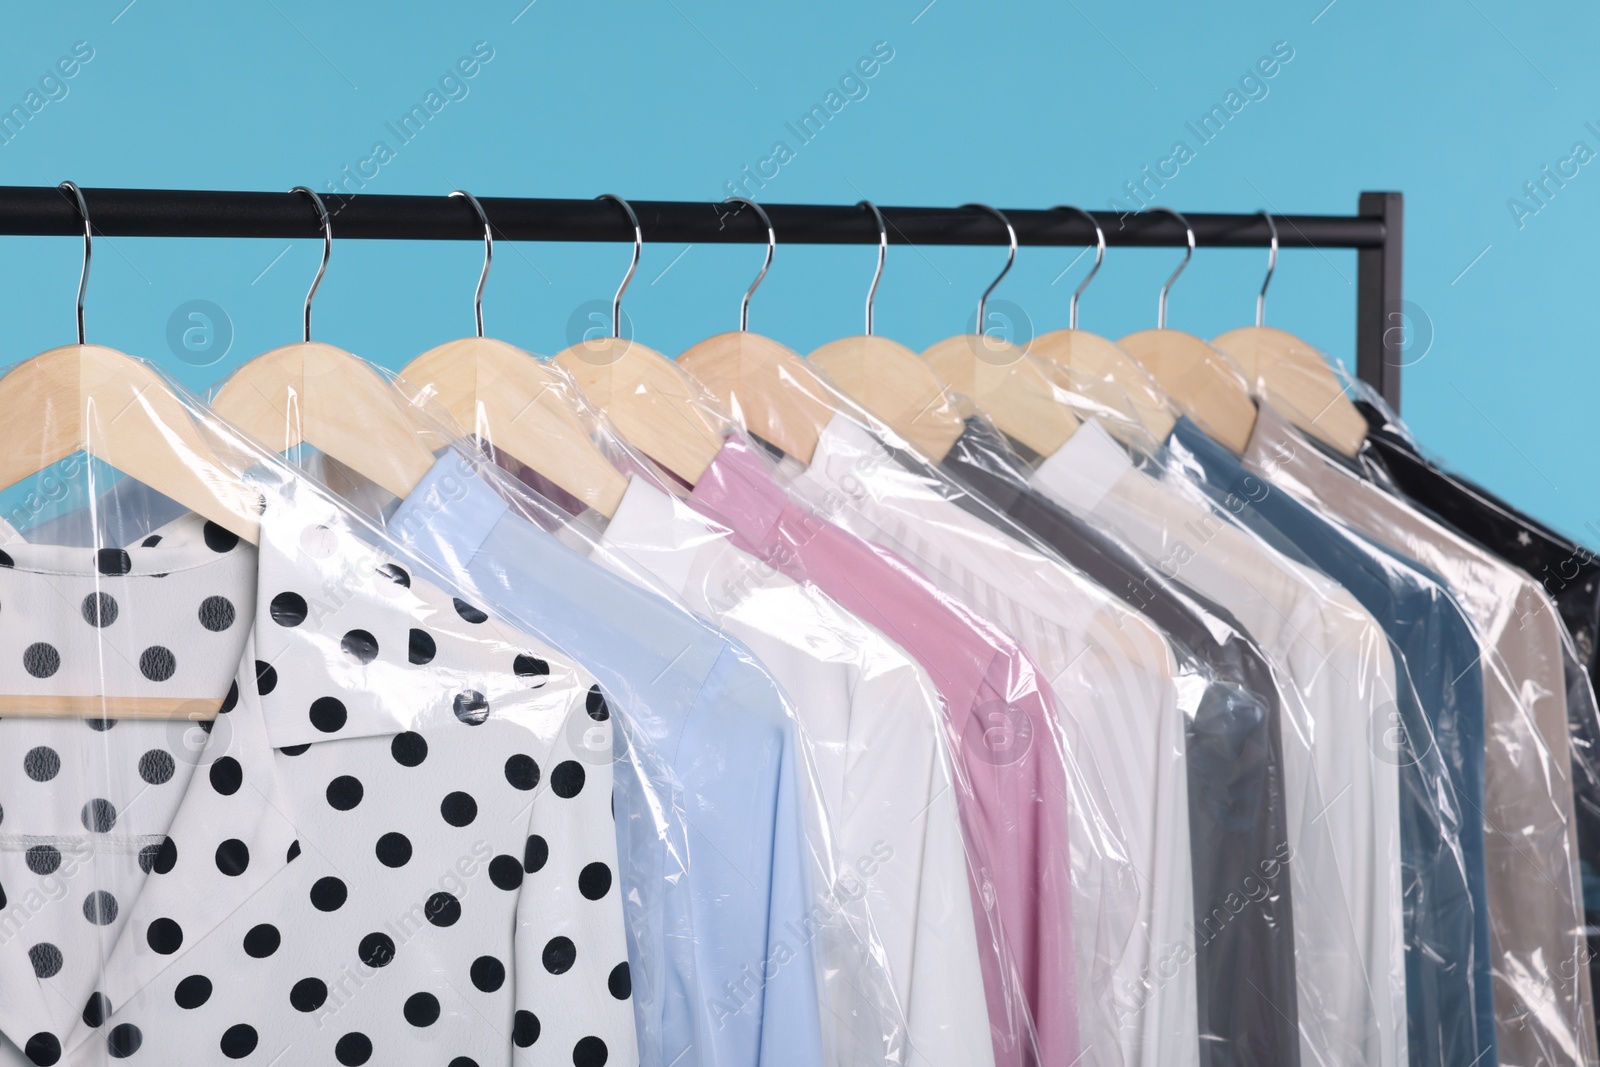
1099, 258
1011, 257
1272, 265
638, 249
327, 250
488, 256
1161, 305
88, 250
772, 245
883, 252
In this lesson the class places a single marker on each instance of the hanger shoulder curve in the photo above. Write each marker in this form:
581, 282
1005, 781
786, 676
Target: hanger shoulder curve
1094, 366
520, 406
116, 408
894, 384
767, 387
1198, 380
1009, 386
653, 404
322, 395
1296, 380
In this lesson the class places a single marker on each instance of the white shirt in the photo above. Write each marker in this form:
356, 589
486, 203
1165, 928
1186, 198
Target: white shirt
1112, 677
1344, 824
395, 844
875, 727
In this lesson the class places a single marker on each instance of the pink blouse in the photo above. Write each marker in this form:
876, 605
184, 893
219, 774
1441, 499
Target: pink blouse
1014, 793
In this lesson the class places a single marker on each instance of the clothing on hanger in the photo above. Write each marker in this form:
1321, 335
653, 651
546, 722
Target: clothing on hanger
1530, 832
1237, 808
875, 723
327, 866
1113, 679
999, 719
1337, 663
1436, 743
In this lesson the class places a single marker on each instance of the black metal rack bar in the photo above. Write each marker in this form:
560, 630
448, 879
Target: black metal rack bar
1375, 230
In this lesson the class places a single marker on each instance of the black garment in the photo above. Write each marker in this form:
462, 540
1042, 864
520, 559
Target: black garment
1237, 818
1569, 573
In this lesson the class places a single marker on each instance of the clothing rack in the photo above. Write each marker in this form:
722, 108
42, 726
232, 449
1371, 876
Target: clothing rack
1376, 230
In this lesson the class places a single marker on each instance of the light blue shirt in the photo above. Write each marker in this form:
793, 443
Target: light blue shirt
708, 808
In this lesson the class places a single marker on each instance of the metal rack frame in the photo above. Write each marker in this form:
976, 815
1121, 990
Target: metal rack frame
1376, 230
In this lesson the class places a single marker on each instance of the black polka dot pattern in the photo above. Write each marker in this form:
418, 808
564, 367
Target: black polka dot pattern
344, 792
353, 1049
364, 686
262, 941
329, 894
238, 1041
124, 1040
41, 763
233, 857
99, 610
328, 714
422, 1009
46, 959
458, 809
156, 766
393, 850
43, 1049
376, 949
192, 992
308, 994
41, 659
289, 609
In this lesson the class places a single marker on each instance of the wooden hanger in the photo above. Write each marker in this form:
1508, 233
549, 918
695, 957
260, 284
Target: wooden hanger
1095, 368
504, 396
654, 405
328, 398
1001, 379
764, 384
1197, 378
1291, 375
889, 380
92, 399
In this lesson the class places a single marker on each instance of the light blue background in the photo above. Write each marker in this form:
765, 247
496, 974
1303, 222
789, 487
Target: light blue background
1456, 104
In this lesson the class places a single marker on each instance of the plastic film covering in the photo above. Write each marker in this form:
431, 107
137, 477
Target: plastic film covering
1337, 676
1542, 990
748, 923
275, 792
1051, 888
1175, 705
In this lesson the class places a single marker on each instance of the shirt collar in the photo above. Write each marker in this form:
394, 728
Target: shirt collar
373, 647
1084, 469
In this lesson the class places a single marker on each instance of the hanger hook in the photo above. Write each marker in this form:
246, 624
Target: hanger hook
1161, 303
1272, 265
1011, 256
488, 255
327, 251
638, 249
1099, 258
88, 249
772, 246
883, 253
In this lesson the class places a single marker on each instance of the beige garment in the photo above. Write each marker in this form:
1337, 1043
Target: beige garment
1543, 1005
